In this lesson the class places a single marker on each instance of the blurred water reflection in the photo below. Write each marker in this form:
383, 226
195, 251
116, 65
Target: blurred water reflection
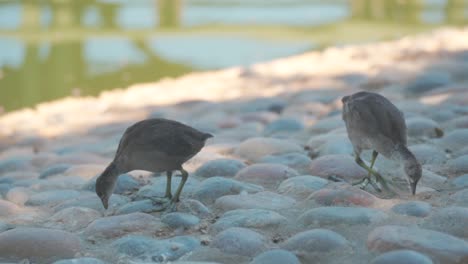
50, 49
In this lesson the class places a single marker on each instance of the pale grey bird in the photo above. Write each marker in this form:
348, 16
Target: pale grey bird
154, 145
373, 122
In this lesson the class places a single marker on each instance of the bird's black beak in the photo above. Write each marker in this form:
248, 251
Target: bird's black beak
413, 187
105, 203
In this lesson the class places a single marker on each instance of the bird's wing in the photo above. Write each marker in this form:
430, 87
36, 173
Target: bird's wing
381, 118
150, 135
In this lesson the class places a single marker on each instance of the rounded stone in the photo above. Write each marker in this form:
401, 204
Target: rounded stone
73, 218
451, 220
332, 216
54, 170
283, 125
120, 225
268, 175
85, 171
327, 124
239, 241
8, 209
296, 161
220, 167
276, 256
402, 256
51, 197
180, 220
427, 81
261, 200
80, 261
250, 218
343, 194
301, 186
458, 165
461, 197
125, 184
439, 246
155, 250
413, 208
342, 166
213, 188
157, 188
92, 201
451, 141
254, 149
38, 245
461, 181
315, 240
428, 154
143, 206
18, 195
423, 127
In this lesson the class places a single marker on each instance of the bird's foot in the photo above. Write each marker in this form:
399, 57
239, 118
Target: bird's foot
366, 181
160, 203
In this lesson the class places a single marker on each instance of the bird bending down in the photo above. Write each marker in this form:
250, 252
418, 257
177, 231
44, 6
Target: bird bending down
154, 145
373, 122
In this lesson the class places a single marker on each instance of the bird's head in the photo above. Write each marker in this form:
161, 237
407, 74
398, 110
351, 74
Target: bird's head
413, 172
104, 188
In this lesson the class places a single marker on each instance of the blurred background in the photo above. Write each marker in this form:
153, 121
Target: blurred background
56, 48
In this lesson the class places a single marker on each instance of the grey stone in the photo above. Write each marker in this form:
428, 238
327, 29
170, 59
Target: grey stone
5, 226
315, 240
452, 140
125, 184
261, 200
428, 154
439, 246
51, 197
250, 218
38, 245
458, 165
54, 170
342, 166
413, 208
265, 174
332, 216
177, 220
73, 218
461, 197
8, 209
296, 161
301, 186
428, 81
120, 225
80, 261
220, 167
283, 125
276, 256
155, 250
461, 181
157, 188
402, 257
213, 188
92, 201
14, 164
239, 241
194, 207
450, 220
423, 127
144, 206
254, 149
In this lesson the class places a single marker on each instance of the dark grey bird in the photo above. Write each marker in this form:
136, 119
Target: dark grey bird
373, 122
154, 145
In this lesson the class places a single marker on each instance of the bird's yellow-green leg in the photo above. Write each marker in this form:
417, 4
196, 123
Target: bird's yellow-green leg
175, 199
363, 183
168, 194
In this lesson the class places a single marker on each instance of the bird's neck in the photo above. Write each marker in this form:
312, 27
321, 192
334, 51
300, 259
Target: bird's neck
111, 172
405, 156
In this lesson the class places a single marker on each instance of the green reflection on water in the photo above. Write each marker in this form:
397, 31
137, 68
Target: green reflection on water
54, 63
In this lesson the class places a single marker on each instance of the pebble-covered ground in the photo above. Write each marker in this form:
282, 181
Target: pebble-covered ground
261, 191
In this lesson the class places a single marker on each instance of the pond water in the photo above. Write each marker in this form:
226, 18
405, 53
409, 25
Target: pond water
52, 49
